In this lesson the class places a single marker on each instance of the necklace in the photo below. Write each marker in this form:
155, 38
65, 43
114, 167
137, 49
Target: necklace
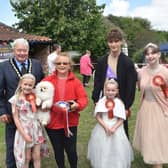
16, 69
154, 70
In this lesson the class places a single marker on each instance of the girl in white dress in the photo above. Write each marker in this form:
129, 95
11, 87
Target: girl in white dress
109, 146
29, 134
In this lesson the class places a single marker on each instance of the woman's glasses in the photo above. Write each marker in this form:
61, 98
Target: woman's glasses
62, 63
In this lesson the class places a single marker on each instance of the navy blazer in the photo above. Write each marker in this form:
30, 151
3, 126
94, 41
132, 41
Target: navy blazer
126, 77
9, 78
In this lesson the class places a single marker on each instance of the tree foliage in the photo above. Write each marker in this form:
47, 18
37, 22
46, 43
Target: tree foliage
75, 24
132, 27
138, 32
79, 25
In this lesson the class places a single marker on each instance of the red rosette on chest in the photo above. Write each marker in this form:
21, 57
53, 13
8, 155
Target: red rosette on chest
32, 99
110, 105
159, 81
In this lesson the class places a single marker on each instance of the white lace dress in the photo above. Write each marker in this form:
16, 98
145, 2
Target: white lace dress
112, 151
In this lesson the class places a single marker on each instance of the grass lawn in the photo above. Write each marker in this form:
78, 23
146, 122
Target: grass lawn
87, 123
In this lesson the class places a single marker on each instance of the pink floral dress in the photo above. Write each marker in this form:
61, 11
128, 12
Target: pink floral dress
32, 127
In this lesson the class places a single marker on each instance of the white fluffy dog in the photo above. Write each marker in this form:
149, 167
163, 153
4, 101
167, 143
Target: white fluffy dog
44, 99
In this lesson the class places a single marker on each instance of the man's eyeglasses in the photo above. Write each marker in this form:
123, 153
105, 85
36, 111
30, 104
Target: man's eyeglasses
62, 63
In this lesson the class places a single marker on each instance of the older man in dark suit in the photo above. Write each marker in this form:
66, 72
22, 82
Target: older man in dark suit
10, 72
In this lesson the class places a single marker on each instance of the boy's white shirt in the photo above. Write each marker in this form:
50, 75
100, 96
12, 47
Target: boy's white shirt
118, 110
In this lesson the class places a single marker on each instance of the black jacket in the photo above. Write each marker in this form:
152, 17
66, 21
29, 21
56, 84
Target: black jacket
126, 77
9, 78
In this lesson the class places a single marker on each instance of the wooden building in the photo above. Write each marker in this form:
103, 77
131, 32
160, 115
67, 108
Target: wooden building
40, 46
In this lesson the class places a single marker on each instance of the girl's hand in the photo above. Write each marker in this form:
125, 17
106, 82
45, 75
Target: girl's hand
28, 138
112, 130
107, 131
6, 118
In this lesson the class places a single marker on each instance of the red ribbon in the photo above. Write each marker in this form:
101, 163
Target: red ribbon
65, 120
159, 81
32, 99
110, 105
64, 107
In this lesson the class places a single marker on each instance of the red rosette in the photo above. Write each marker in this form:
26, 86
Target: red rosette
158, 80
110, 105
32, 99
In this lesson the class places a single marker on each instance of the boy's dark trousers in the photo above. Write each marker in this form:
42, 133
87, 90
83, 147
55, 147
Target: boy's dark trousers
86, 79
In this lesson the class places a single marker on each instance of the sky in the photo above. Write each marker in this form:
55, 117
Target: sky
153, 10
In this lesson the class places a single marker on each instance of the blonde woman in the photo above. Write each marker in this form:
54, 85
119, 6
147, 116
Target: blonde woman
62, 129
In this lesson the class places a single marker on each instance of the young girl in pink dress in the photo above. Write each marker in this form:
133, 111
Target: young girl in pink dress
86, 67
109, 145
29, 134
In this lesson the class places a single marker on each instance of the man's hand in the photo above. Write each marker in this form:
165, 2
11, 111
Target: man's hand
6, 118
128, 113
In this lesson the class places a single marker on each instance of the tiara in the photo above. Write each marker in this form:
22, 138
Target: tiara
150, 45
